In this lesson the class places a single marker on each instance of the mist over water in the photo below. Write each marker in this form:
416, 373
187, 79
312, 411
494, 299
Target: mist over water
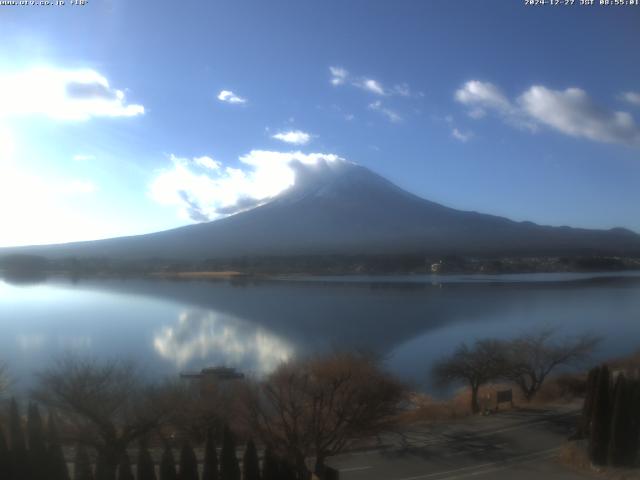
173, 326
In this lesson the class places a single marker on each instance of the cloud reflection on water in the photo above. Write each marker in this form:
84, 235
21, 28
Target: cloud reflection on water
205, 338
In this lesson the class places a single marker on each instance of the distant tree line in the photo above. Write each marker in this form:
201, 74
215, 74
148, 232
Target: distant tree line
21, 266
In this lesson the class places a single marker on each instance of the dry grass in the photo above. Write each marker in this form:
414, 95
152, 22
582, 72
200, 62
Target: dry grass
559, 390
574, 454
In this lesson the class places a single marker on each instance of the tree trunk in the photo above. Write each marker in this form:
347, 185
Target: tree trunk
475, 407
528, 394
107, 464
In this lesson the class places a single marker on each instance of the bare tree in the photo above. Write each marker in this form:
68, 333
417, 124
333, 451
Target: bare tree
533, 356
320, 406
105, 405
197, 411
5, 381
475, 365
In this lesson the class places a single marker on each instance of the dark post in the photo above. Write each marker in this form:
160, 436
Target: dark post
145, 468
19, 454
5, 457
168, 465
587, 407
57, 464
188, 463
269, 465
229, 468
599, 435
82, 465
250, 463
124, 468
210, 467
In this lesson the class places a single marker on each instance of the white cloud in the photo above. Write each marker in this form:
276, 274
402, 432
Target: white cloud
228, 96
338, 75
207, 162
78, 187
371, 85
81, 157
632, 97
7, 145
462, 136
203, 196
570, 111
62, 95
481, 96
295, 137
390, 114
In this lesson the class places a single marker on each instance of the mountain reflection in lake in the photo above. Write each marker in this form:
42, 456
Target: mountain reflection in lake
171, 326
220, 339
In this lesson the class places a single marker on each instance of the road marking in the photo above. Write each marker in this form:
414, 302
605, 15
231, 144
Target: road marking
485, 467
355, 469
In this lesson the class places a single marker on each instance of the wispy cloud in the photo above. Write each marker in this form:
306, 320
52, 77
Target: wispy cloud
632, 98
63, 95
295, 137
391, 115
202, 194
570, 111
402, 89
338, 75
341, 76
228, 96
483, 96
462, 136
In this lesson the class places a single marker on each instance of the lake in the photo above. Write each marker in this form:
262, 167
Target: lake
173, 326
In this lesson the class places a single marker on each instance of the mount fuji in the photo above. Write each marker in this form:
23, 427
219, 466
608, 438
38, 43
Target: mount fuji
336, 208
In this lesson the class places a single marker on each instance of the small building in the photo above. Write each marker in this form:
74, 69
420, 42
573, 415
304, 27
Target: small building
212, 379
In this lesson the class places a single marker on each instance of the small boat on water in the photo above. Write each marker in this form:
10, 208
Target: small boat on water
214, 373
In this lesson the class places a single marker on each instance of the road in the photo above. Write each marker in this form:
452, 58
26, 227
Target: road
516, 444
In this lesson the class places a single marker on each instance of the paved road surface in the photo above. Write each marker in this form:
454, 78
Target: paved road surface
511, 445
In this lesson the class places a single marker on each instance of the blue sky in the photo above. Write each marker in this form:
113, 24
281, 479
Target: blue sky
122, 117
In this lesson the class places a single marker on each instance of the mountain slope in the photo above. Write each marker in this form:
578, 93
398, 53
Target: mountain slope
342, 208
